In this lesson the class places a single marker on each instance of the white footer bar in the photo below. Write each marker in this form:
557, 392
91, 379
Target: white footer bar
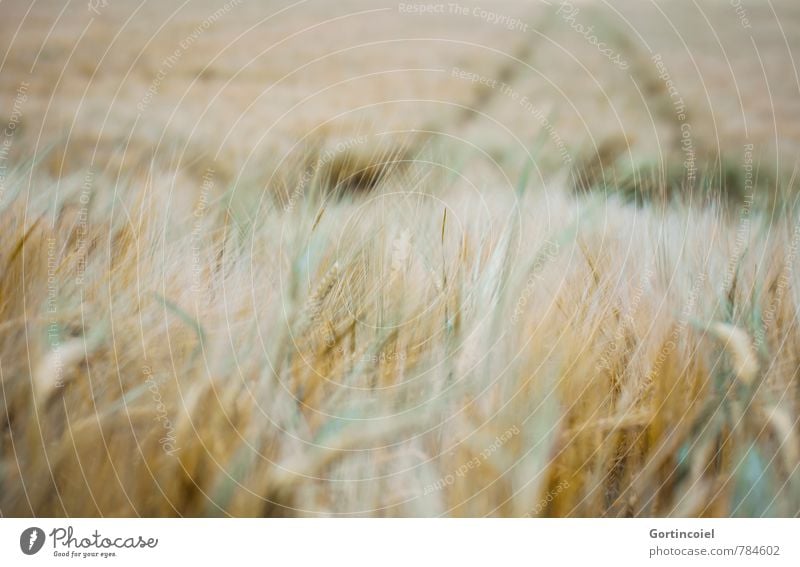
406, 543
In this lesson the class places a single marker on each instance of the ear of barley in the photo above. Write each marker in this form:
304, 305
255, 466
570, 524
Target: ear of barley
740, 348
315, 300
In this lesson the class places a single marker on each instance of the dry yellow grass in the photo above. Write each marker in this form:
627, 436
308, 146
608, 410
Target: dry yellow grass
272, 309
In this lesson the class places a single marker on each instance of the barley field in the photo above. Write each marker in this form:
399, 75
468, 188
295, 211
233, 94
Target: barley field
371, 258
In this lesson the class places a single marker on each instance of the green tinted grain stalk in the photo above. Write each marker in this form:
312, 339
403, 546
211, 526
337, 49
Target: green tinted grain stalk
190, 321
753, 488
530, 159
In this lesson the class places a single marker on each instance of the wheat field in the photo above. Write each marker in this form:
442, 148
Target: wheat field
399, 259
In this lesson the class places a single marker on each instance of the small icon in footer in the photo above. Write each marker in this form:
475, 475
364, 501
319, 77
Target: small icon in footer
31, 540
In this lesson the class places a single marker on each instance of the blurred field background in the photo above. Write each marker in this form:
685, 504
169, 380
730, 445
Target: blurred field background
346, 258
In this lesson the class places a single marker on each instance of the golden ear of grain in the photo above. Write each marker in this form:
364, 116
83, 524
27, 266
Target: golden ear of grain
314, 303
740, 348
